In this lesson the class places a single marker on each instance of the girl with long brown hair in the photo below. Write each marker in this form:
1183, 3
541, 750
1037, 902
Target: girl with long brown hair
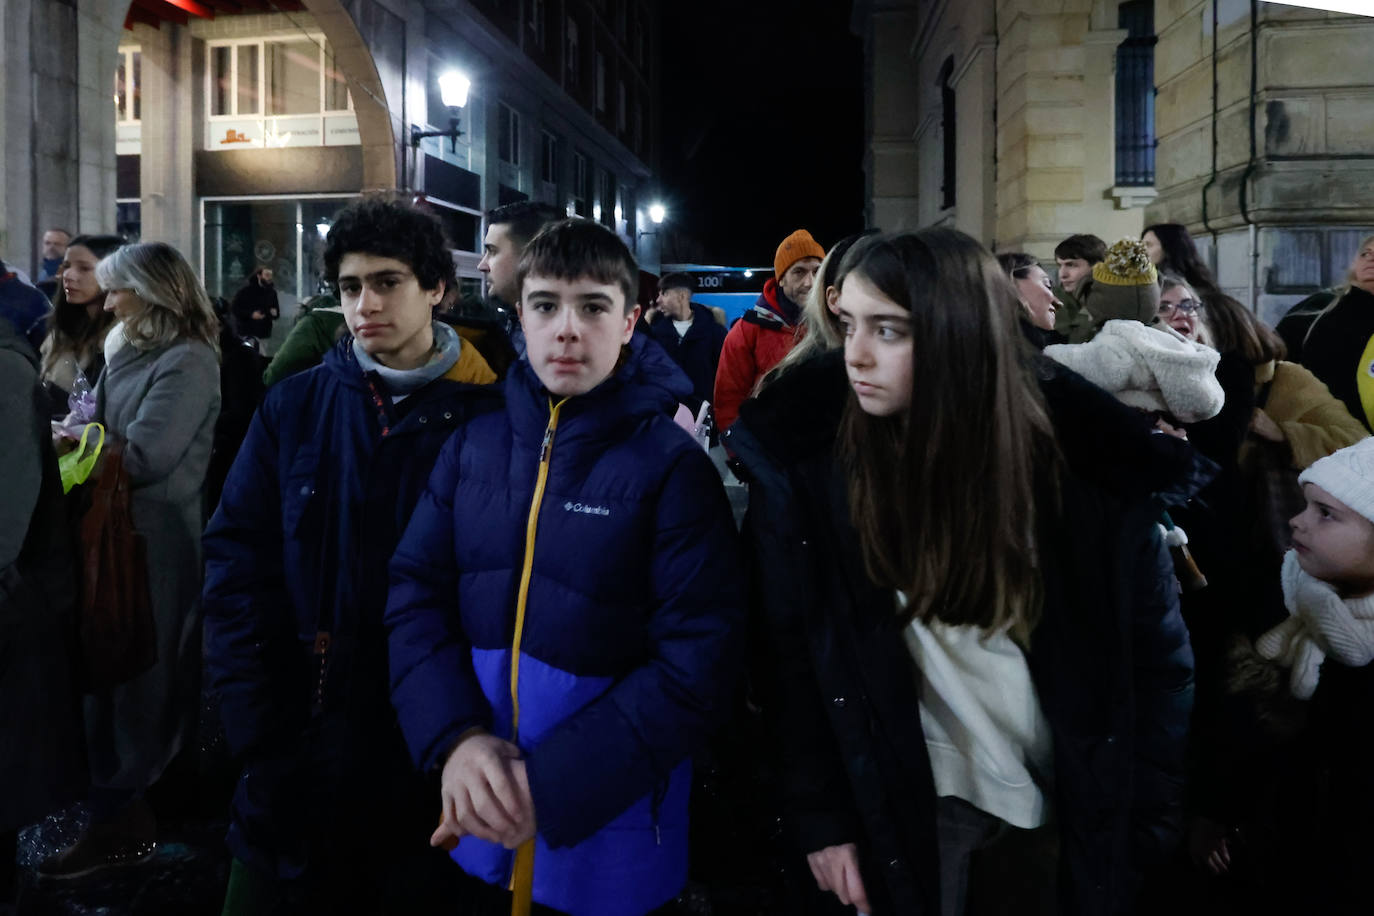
968, 634
79, 321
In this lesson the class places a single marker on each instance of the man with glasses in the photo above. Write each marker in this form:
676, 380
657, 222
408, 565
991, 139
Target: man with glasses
328, 813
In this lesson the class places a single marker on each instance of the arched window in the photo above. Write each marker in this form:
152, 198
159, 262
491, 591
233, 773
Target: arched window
1135, 95
947, 123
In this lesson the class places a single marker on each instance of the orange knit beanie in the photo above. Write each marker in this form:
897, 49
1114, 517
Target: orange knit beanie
796, 246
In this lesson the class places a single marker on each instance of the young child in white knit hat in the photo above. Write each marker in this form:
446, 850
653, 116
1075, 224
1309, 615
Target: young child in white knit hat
1328, 576
1300, 766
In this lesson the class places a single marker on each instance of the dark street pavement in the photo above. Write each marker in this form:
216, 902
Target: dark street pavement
186, 876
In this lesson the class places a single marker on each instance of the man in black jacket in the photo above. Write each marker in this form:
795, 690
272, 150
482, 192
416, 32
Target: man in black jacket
690, 334
255, 306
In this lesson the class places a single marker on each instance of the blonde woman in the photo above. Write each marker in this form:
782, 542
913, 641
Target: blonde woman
159, 395
1337, 344
820, 322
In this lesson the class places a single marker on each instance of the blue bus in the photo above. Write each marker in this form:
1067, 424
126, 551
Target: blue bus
731, 289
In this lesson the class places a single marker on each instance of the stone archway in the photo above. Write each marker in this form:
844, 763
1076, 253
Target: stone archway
374, 98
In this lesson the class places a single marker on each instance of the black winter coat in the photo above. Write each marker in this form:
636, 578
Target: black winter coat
1110, 658
42, 741
1335, 343
697, 353
254, 297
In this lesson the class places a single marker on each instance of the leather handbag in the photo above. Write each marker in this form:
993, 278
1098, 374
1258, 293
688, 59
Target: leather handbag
118, 635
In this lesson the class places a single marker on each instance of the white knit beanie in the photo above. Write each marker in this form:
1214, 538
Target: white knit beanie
1347, 475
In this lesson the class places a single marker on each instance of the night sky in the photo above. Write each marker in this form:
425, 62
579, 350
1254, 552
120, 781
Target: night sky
762, 124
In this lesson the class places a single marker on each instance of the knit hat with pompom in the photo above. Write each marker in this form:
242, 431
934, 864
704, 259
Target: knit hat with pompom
1348, 475
1124, 285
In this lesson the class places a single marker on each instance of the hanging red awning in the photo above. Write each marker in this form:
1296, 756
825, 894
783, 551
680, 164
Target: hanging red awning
156, 12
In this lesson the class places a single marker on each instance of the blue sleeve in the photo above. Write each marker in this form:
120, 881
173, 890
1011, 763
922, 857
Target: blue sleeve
250, 638
592, 766
433, 685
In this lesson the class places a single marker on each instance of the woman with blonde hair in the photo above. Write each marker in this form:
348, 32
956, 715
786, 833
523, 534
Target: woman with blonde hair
820, 325
1337, 343
158, 396
966, 642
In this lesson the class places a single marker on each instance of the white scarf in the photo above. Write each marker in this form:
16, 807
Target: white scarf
1322, 623
115, 341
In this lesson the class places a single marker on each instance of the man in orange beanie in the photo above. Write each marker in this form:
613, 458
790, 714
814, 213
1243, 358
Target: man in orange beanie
761, 338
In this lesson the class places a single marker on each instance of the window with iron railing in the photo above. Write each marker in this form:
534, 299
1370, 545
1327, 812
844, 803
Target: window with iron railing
1135, 95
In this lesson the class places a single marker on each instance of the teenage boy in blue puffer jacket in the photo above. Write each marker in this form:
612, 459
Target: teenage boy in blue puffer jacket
296, 583
565, 616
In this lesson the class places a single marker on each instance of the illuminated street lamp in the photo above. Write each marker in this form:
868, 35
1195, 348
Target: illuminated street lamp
453, 90
647, 253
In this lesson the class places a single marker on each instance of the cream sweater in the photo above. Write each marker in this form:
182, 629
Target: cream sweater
988, 740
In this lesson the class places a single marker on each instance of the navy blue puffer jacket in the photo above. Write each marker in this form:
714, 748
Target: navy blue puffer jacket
312, 510
631, 639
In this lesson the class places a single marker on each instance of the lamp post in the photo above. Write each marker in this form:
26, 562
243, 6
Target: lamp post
453, 89
651, 256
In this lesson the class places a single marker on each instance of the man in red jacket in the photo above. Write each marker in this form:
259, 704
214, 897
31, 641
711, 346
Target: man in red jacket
761, 338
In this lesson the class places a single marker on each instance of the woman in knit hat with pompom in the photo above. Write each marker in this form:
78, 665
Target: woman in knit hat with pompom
1144, 363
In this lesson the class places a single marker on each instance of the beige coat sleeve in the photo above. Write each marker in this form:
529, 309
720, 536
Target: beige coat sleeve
1313, 421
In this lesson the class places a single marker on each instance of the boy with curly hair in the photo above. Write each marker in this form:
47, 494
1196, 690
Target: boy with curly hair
296, 566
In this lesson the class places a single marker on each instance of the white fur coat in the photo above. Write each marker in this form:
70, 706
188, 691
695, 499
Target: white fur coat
1149, 367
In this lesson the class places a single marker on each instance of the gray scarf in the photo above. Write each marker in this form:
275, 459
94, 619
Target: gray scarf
402, 382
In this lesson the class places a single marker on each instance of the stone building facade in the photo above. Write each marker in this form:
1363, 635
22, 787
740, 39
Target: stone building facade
1024, 121
240, 127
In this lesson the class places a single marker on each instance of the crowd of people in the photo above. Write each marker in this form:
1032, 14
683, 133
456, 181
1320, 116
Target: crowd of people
1054, 592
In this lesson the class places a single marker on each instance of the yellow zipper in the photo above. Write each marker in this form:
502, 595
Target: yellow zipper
522, 875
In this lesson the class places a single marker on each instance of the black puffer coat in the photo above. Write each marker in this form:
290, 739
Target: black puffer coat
1110, 658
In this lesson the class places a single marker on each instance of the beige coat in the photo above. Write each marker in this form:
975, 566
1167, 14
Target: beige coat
1313, 421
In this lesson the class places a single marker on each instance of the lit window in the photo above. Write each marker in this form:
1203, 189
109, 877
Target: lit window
508, 133
296, 77
128, 79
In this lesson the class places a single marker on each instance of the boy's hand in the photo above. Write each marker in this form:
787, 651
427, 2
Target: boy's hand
481, 794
